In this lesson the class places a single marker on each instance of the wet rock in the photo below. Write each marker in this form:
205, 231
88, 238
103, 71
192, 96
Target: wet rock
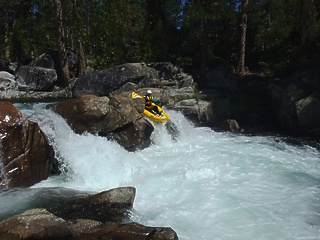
34, 224
230, 125
136, 136
109, 205
25, 152
106, 206
41, 224
115, 117
137, 231
172, 130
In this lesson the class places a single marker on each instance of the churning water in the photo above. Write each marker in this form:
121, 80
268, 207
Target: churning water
206, 185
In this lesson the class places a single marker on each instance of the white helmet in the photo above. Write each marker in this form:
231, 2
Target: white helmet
149, 92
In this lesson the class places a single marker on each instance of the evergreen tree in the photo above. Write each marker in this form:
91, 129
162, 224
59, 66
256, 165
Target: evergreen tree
63, 63
244, 22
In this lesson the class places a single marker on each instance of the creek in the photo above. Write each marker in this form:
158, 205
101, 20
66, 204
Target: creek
205, 185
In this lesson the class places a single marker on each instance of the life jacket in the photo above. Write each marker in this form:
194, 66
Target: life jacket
148, 101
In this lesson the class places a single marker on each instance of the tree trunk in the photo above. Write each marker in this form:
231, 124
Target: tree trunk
242, 54
308, 17
82, 68
63, 63
204, 44
6, 33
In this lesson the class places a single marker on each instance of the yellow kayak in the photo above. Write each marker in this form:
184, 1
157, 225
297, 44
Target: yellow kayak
153, 116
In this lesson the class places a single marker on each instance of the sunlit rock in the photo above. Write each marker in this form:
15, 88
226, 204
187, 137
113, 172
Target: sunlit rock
34, 224
116, 118
6, 80
25, 152
41, 224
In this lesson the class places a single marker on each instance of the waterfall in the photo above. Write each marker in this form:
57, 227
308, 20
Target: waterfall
204, 184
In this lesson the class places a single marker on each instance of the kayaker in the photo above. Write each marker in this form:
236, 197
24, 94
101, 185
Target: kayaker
148, 103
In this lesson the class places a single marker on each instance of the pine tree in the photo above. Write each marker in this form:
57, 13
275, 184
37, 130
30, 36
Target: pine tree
63, 63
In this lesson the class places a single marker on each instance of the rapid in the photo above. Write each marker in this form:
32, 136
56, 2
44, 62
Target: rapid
205, 185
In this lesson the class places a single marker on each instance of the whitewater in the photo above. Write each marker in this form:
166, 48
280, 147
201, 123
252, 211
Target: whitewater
205, 184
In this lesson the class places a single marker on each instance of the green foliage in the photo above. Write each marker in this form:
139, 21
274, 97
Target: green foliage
118, 31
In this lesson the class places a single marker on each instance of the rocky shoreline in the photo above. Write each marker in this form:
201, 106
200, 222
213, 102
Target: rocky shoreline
66, 214
100, 103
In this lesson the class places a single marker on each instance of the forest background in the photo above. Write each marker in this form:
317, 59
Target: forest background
270, 37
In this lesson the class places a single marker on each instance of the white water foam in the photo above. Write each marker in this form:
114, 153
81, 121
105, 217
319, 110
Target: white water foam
205, 185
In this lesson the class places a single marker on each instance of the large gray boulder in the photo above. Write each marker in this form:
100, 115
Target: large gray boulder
25, 154
36, 78
7, 81
102, 83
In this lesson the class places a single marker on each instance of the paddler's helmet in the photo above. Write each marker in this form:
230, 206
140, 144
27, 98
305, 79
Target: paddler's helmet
149, 92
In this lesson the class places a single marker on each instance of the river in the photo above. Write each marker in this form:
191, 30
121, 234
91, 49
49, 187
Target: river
205, 185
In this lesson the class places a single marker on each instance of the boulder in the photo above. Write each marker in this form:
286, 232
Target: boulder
25, 152
179, 94
230, 125
34, 224
42, 225
295, 100
102, 83
36, 78
136, 136
50, 59
115, 117
107, 206
165, 70
137, 231
198, 111
7, 81
7, 66
308, 112
46, 60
